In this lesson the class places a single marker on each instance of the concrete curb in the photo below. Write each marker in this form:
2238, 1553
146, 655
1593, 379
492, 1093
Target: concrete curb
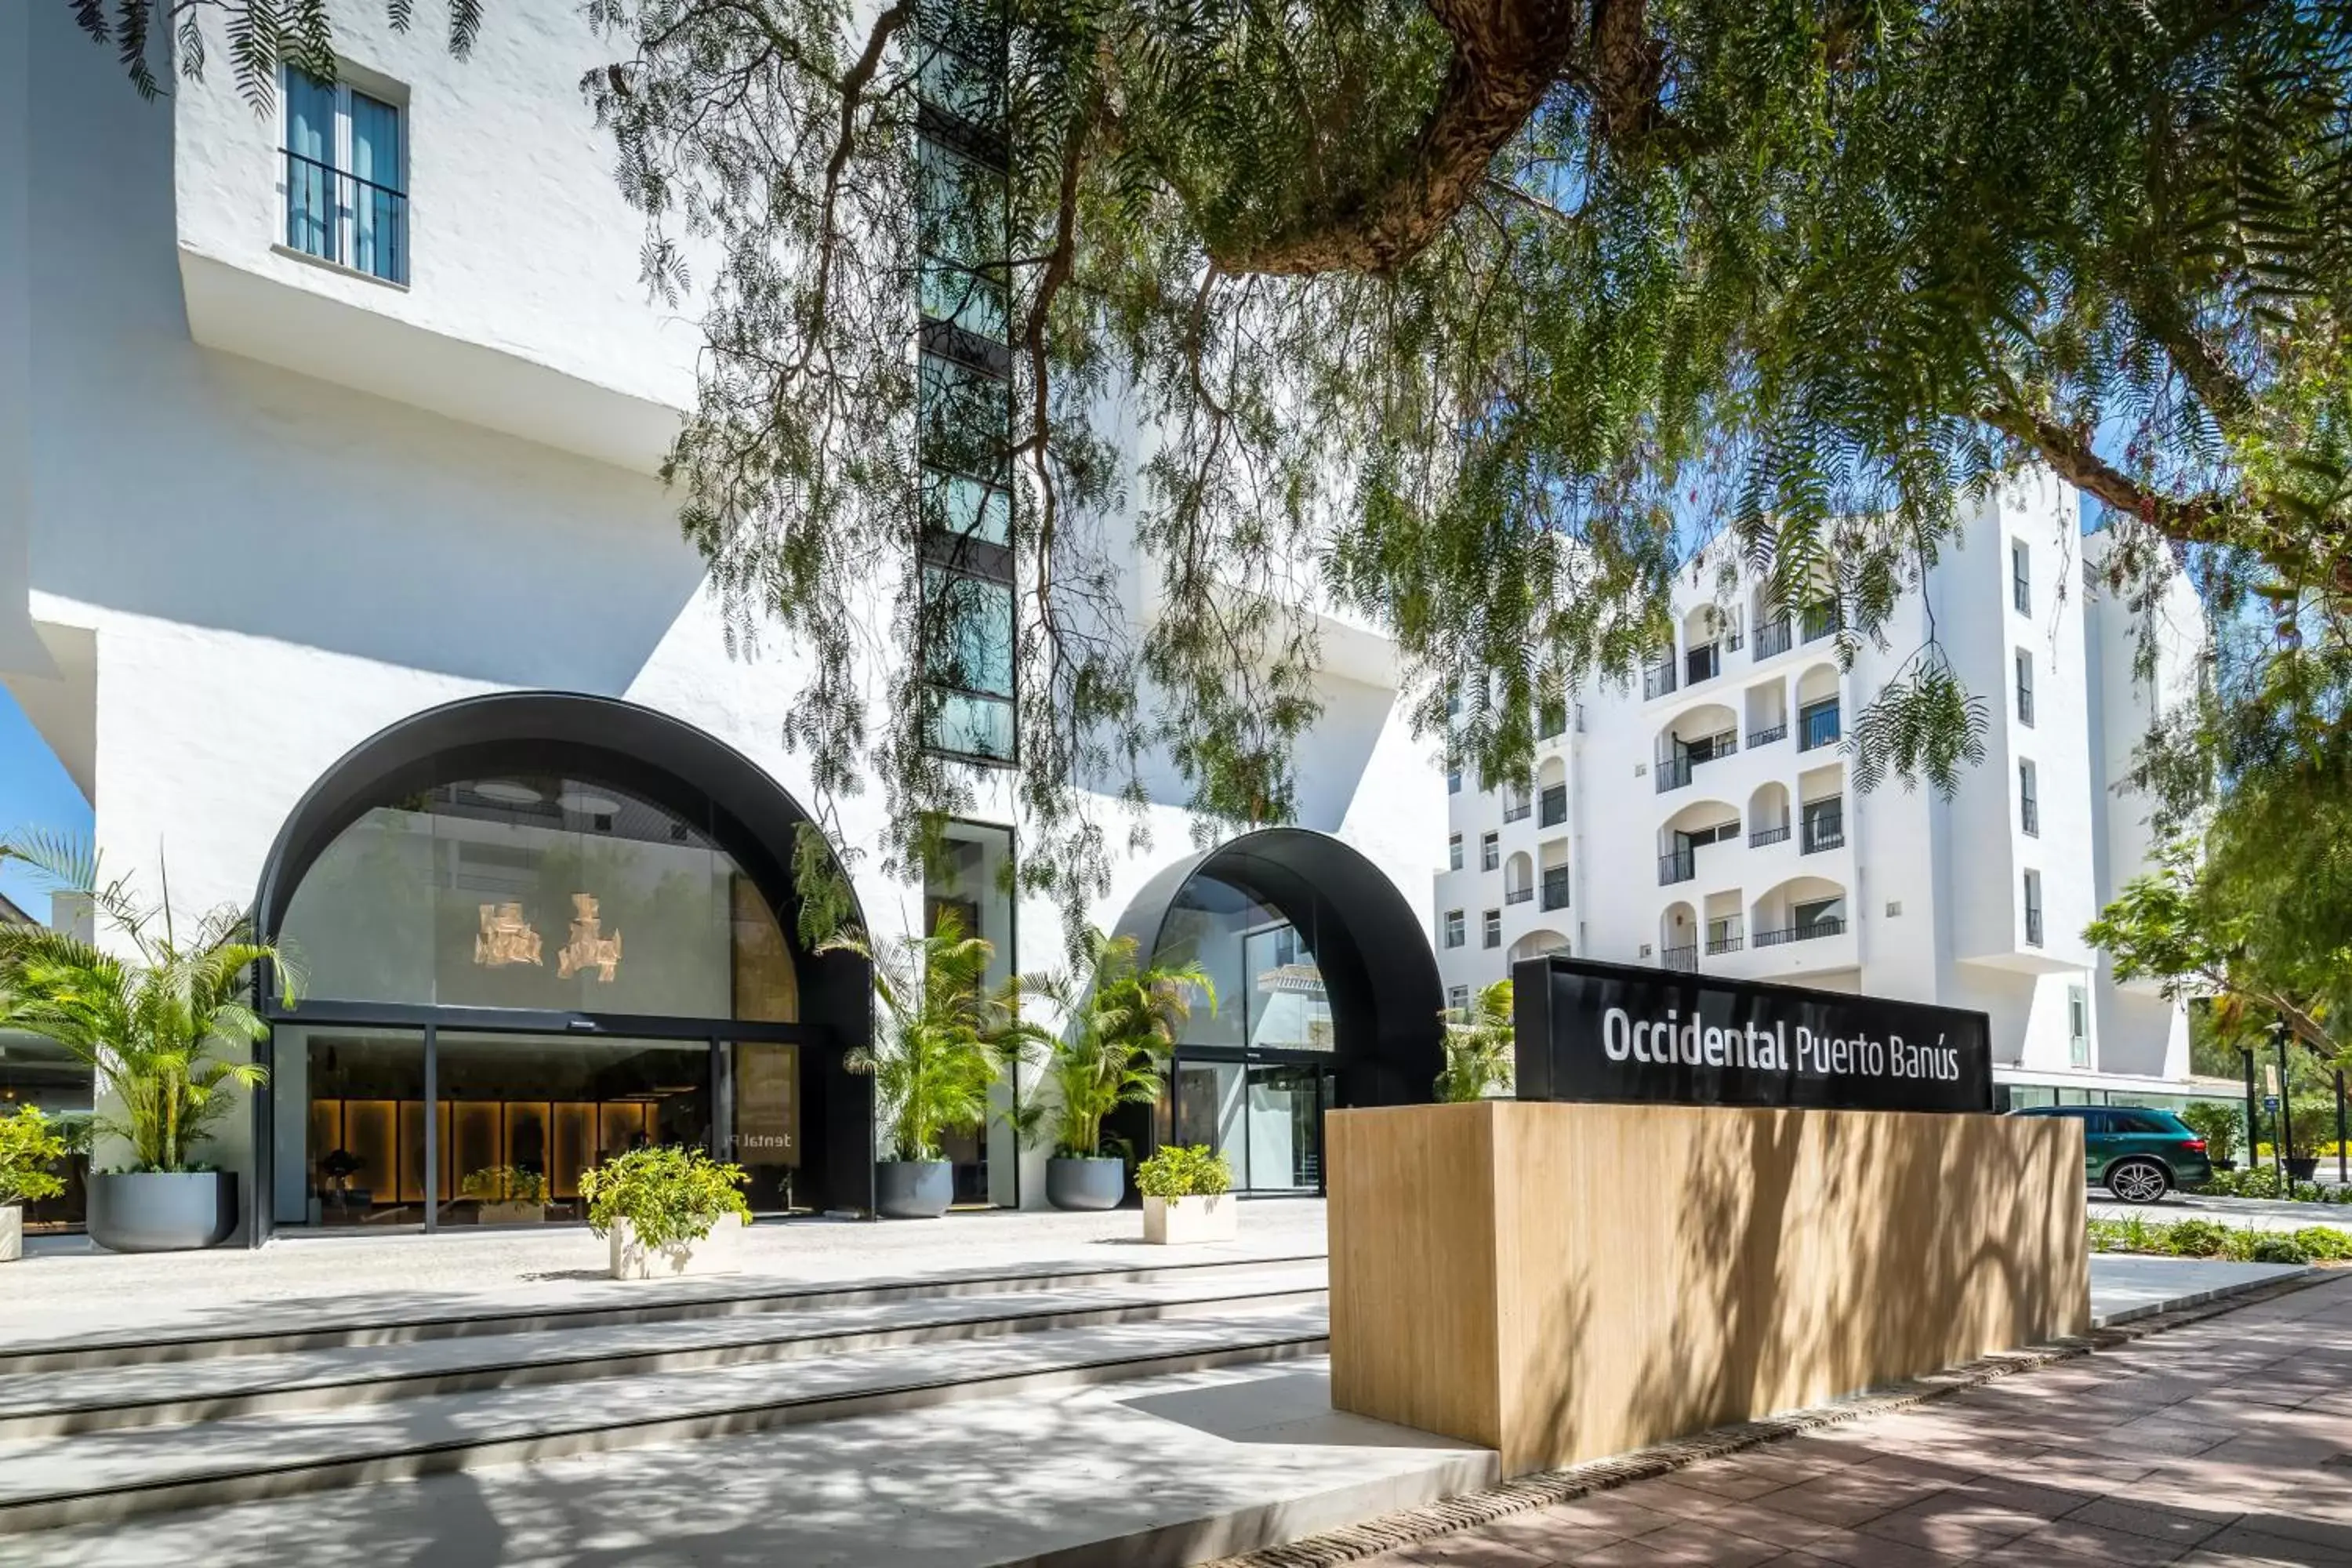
1413, 1527
2307, 1273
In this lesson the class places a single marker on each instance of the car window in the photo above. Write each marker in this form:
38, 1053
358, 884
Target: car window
2095, 1122
2154, 1121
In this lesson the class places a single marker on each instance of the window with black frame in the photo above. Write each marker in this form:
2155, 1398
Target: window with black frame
967, 633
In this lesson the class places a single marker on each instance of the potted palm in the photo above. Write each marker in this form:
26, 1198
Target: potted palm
666, 1211
1480, 1042
934, 1060
162, 1020
29, 1145
1119, 1028
1187, 1197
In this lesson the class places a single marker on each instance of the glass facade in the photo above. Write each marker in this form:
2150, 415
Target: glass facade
1253, 1079
966, 632
526, 893
970, 876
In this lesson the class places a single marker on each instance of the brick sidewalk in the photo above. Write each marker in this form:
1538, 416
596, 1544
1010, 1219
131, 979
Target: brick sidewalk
2227, 1441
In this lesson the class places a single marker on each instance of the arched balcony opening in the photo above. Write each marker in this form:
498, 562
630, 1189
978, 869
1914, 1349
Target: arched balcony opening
1819, 721
1519, 878
1711, 632
1542, 943
1551, 794
1678, 937
1726, 928
1552, 875
1802, 908
1767, 704
1768, 816
1708, 734
1687, 832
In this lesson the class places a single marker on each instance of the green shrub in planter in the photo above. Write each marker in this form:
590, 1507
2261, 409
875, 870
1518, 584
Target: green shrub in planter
669, 1196
1198, 1172
29, 1144
503, 1184
2197, 1238
2275, 1247
2325, 1243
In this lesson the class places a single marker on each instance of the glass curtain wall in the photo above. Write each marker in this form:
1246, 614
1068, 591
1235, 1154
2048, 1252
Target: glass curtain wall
970, 877
966, 633
547, 894
1252, 1079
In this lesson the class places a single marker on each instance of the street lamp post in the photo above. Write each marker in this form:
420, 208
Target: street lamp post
2342, 1178
2285, 1114
2253, 1107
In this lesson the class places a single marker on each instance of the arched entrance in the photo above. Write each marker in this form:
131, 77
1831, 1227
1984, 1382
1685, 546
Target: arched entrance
540, 927
1328, 995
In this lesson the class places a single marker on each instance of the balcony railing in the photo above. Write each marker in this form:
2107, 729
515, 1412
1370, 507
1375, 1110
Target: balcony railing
1773, 638
1766, 737
1673, 772
1703, 663
1715, 747
1517, 895
1682, 958
1820, 622
1657, 680
1679, 867
1817, 728
1764, 836
1555, 888
339, 217
1825, 830
1552, 806
1518, 810
1724, 938
1833, 926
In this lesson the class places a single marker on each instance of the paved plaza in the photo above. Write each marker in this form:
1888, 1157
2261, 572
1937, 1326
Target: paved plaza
2225, 1441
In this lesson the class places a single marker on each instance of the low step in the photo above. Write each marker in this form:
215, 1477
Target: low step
110, 1475
267, 1329
63, 1404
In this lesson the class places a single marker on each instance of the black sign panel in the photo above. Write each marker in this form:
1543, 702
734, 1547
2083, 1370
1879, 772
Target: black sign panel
1616, 1032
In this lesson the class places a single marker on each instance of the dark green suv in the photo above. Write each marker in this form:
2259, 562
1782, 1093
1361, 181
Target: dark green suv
2138, 1153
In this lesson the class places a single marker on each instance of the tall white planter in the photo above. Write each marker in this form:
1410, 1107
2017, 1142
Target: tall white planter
12, 1232
718, 1253
1180, 1222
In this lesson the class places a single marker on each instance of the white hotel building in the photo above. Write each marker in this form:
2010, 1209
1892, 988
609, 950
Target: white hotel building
335, 565
1705, 818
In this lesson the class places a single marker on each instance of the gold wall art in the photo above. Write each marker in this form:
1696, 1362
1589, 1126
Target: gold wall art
589, 947
505, 938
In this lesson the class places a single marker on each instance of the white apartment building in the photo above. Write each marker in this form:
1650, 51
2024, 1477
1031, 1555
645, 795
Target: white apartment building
1706, 820
336, 567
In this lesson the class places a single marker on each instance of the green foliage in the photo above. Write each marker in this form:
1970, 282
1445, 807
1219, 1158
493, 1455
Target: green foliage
1184, 1172
2205, 1238
504, 1183
937, 1054
1480, 1046
667, 1194
1485, 322
1119, 1027
2260, 1180
29, 1146
2221, 1125
164, 1026
259, 34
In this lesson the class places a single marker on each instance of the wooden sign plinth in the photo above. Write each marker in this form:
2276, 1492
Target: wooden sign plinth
1562, 1282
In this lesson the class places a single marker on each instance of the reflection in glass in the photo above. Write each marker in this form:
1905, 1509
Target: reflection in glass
523, 1115
349, 1126
1211, 1108
539, 892
1270, 991
1286, 1141
766, 1136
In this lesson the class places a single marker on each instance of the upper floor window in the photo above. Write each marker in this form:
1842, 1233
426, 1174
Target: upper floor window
2029, 798
1490, 851
346, 176
1457, 997
1454, 852
1490, 928
2021, 576
2033, 909
1453, 780
1454, 928
2024, 687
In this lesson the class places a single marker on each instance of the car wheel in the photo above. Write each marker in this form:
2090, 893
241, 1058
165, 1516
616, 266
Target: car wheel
2137, 1181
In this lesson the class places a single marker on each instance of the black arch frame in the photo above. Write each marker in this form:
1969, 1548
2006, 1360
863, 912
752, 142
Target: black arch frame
1379, 973
658, 758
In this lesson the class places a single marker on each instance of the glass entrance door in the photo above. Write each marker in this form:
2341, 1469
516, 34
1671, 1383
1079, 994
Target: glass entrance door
1265, 1118
766, 1123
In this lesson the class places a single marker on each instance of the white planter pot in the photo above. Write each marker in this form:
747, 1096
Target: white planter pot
514, 1213
718, 1253
11, 1234
1181, 1222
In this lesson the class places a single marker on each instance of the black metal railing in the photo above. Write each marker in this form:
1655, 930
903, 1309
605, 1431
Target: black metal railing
343, 219
1518, 810
1673, 772
1817, 727
1703, 663
2031, 810
1825, 830
1831, 926
1517, 895
1679, 867
1773, 638
1712, 748
1684, 958
1555, 888
1820, 620
1553, 807
1657, 680
1724, 938
1764, 836
1768, 736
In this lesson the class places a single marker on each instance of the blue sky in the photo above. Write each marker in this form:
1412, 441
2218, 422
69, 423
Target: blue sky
34, 793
